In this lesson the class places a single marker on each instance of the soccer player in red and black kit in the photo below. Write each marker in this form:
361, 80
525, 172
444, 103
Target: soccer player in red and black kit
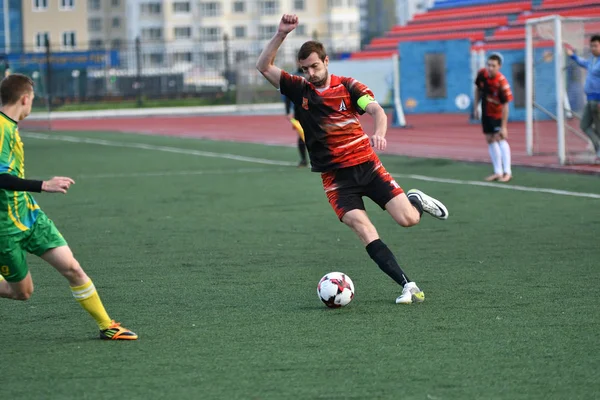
329, 107
493, 90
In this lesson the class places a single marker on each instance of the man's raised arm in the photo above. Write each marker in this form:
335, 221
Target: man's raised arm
265, 61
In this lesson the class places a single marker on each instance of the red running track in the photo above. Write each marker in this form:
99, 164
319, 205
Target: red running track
448, 136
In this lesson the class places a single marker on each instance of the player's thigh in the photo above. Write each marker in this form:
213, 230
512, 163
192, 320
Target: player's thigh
402, 211
48, 243
595, 111
343, 192
586, 117
13, 261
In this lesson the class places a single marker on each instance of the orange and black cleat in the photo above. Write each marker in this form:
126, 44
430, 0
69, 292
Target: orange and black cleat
116, 332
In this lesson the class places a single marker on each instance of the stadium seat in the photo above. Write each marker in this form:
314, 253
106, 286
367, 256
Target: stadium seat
472, 12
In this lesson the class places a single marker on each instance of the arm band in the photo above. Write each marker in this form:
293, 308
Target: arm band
364, 101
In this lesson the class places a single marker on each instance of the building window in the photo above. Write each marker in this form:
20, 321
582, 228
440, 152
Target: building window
181, 7
94, 4
116, 22
150, 8
213, 59
68, 40
210, 34
95, 24
152, 33
268, 7
183, 32
299, 4
115, 3
40, 5
40, 40
66, 4
116, 43
266, 31
210, 9
337, 27
239, 31
241, 56
154, 59
336, 3
182, 57
239, 7
96, 44
301, 30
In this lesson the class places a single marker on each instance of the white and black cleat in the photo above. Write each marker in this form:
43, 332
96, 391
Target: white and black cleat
430, 205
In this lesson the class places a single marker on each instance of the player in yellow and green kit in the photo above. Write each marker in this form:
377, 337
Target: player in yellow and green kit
24, 228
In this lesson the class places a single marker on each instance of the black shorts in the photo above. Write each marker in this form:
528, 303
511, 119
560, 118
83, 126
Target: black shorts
345, 187
490, 125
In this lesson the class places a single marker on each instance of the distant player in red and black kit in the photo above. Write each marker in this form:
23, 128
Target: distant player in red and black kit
329, 107
493, 90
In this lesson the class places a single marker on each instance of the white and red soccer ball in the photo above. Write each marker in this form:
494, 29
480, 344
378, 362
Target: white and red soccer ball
335, 289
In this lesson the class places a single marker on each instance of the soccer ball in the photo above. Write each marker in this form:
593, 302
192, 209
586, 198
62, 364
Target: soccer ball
335, 289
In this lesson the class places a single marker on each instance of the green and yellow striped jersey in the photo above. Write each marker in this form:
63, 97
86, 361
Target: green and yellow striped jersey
18, 210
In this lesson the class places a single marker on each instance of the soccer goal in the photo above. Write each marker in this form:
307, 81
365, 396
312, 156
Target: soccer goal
554, 87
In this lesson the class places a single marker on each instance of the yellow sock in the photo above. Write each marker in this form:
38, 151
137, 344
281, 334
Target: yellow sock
87, 296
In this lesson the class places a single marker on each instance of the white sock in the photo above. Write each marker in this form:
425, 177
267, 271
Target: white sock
505, 151
494, 149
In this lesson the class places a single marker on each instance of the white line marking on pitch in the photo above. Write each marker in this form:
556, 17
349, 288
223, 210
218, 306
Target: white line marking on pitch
177, 150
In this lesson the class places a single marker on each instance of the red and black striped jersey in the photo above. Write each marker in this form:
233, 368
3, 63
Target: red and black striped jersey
333, 134
494, 93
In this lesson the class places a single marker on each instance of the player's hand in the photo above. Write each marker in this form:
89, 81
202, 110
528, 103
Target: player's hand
378, 142
58, 184
568, 49
476, 113
503, 132
288, 23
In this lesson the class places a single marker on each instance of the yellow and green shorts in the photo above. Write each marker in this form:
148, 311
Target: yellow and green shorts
42, 236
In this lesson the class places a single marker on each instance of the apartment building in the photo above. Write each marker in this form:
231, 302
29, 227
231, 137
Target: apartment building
63, 23
107, 24
11, 26
179, 31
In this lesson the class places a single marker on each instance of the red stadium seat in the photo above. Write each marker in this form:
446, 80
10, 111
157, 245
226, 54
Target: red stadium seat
472, 12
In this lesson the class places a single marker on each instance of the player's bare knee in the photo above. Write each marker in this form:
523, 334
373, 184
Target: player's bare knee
73, 271
409, 219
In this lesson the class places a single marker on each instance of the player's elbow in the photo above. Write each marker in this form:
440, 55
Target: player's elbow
262, 67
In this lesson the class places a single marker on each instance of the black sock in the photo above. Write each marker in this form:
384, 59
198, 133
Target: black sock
302, 149
414, 200
385, 259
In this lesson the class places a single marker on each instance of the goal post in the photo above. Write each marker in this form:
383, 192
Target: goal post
554, 96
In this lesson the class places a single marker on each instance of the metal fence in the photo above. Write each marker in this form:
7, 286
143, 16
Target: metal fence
141, 72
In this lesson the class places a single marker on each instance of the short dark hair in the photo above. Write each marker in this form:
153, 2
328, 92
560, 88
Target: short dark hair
496, 57
312, 46
13, 87
595, 38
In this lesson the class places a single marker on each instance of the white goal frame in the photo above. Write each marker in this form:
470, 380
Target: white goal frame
563, 108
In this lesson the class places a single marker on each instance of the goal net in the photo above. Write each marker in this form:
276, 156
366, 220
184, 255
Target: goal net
555, 98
